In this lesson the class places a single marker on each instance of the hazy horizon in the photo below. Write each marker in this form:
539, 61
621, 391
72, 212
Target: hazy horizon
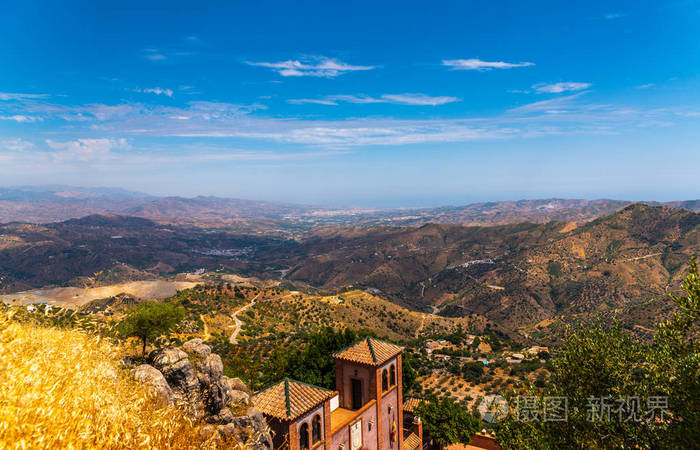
437, 203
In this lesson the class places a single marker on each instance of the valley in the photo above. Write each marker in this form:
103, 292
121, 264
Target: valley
526, 280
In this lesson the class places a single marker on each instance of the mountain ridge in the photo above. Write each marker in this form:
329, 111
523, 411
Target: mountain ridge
56, 203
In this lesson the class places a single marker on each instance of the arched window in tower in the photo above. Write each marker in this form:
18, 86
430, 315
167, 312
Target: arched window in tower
392, 375
304, 436
385, 380
316, 429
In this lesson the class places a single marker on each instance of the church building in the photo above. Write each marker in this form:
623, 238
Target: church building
365, 411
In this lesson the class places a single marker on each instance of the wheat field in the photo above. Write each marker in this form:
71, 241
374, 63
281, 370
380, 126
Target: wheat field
64, 388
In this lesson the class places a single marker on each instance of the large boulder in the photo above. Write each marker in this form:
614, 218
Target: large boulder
253, 430
223, 417
197, 347
217, 397
238, 398
210, 370
174, 364
155, 381
236, 384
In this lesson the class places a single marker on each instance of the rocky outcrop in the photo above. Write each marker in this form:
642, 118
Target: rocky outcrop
191, 377
156, 382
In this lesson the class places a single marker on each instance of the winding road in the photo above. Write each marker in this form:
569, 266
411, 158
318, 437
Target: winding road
238, 321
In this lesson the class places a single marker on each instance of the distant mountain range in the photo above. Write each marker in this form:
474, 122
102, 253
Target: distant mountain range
525, 279
46, 204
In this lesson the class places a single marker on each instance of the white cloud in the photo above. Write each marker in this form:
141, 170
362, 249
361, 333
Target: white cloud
303, 101
311, 67
101, 127
477, 64
419, 99
359, 99
15, 145
153, 54
22, 118
646, 86
397, 99
157, 91
558, 104
556, 88
612, 16
86, 149
18, 96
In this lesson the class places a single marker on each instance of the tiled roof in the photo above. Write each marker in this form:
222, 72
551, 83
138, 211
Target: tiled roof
411, 442
369, 351
289, 399
410, 404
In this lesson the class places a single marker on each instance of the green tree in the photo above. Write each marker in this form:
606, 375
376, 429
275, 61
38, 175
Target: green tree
446, 421
473, 371
600, 361
148, 321
314, 363
409, 375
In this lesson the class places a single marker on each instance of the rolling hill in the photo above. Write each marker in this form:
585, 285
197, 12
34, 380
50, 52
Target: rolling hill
526, 278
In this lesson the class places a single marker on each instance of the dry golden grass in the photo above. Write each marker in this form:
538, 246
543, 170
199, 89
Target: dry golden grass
64, 389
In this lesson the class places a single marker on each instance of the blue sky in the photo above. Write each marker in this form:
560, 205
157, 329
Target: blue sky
354, 103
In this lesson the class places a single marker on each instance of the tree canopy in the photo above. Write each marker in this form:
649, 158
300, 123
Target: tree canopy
148, 321
314, 362
446, 421
604, 363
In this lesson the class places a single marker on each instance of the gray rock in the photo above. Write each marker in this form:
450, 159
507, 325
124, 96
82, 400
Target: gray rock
237, 397
237, 385
210, 370
194, 380
178, 371
225, 416
256, 415
166, 356
217, 397
197, 347
156, 382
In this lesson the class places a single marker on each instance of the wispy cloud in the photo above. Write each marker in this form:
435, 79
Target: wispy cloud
611, 16
311, 67
396, 99
646, 86
86, 149
153, 54
315, 101
207, 121
15, 145
17, 96
22, 118
556, 88
419, 99
157, 91
477, 64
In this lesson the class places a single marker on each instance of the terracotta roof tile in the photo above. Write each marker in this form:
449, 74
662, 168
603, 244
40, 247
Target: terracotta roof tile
410, 404
290, 399
369, 351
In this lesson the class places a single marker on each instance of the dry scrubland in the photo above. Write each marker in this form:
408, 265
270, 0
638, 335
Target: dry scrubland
65, 389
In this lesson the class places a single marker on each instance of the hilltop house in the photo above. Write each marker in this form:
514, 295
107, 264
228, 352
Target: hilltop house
365, 411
